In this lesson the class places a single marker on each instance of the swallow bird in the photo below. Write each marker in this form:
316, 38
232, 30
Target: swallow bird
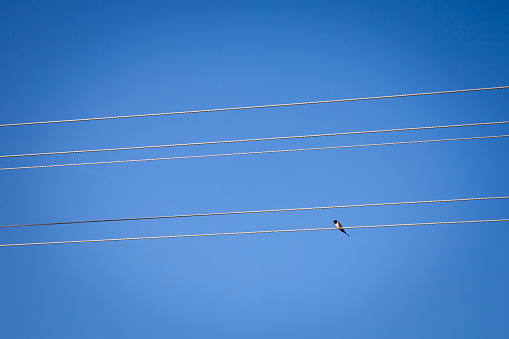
339, 227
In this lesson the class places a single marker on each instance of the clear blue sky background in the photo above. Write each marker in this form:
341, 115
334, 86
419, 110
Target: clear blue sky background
79, 59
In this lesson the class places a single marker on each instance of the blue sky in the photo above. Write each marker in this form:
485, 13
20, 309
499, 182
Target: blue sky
84, 59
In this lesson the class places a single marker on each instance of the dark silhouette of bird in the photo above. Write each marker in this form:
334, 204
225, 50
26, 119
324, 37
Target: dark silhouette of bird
339, 227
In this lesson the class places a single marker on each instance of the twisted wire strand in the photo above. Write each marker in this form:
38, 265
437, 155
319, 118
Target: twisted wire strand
251, 153
251, 232
257, 139
253, 107
259, 211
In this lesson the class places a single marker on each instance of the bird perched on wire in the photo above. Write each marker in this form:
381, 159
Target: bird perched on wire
339, 227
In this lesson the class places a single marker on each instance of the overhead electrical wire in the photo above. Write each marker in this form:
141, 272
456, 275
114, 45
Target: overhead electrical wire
253, 107
258, 139
251, 153
251, 232
259, 211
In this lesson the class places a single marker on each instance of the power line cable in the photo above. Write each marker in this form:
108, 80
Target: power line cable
251, 232
251, 153
258, 139
259, 211
253, 107
432, 223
